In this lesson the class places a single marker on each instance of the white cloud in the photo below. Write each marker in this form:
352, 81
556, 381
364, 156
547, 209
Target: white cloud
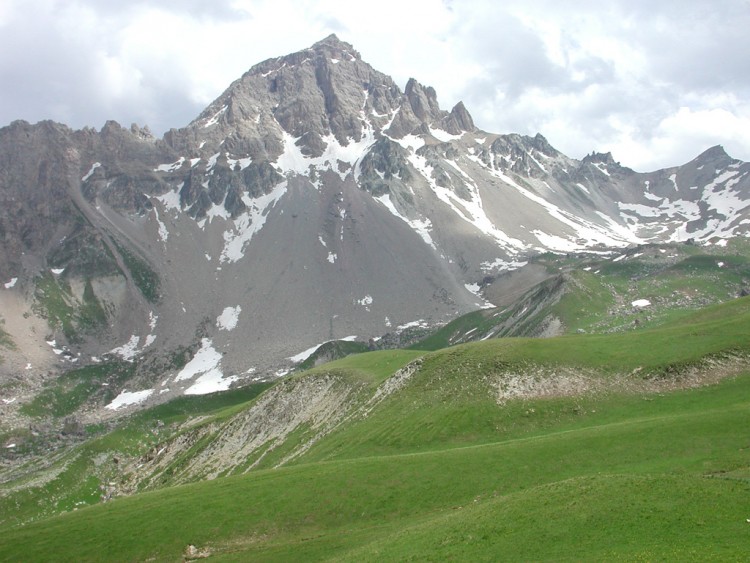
678, 136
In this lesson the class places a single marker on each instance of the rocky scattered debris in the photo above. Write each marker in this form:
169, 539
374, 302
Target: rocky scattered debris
192, 553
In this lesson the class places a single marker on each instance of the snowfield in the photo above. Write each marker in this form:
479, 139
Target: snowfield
127, 398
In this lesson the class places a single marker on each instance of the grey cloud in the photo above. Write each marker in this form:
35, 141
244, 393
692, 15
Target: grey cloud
513, 56
37, 76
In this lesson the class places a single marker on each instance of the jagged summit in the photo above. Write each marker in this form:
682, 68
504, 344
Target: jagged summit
334, 45
715, 155
325, 90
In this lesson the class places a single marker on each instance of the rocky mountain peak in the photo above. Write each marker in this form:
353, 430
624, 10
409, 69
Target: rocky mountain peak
322, 92
716, 155
423, 100
600, 157
333, 46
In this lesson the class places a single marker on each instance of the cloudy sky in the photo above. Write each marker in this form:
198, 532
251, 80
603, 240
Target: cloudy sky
655, 82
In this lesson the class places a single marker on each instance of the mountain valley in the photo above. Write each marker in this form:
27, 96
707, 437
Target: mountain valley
349, 324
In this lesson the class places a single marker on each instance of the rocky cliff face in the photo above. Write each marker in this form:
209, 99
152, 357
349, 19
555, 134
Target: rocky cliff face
312, 200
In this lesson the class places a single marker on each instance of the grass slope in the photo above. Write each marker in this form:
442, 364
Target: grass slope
659, 478
452, 400
441, 470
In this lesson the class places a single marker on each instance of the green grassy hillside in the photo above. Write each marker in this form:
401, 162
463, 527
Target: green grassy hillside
669, 481
627, 446
595, 294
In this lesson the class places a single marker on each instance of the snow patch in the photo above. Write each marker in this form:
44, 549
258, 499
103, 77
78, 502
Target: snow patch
206, 365
673, 179
249, 223
501, 265
127, 398
242, 162
641, 303
162, 228
91, 171
171, 200
214, 119
472, 210
638, 209
421, 226
365, 302
170, 167
476, 290
11, 284
293, 161
554, 242
601, 168
129, 350
444, 136
332, 257
473, 287
229, 318
412, 142
205, 360
211, 163
302, 356
421, 323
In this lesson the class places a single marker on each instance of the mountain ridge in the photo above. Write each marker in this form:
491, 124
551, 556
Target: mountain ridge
313, 200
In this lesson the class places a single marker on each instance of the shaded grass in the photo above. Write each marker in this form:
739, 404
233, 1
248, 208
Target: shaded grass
445, 336
53, 301
144, 277
6, 341
219, 405
72, 389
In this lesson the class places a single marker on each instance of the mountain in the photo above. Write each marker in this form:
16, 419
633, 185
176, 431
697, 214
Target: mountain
313, 200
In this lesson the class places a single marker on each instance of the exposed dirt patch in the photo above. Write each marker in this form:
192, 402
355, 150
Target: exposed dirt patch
539, 382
